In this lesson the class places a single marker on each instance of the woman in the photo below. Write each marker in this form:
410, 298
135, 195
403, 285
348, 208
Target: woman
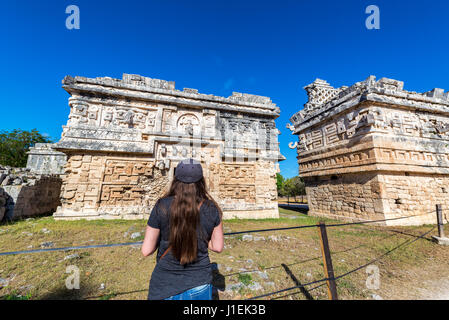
184, 224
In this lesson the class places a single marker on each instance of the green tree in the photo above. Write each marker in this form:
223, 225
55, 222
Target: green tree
280, 184
299, 186
289, 188
15, 144
293, 187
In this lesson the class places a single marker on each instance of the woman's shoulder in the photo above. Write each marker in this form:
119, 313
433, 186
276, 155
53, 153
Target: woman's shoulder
212, 211
211, 206
166, 199
164, 203
209, 203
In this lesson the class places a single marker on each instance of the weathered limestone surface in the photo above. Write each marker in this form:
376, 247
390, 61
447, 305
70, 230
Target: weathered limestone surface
374, 151
25, 194
124, 137
3, 202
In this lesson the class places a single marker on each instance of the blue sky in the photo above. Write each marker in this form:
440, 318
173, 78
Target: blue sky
266, 48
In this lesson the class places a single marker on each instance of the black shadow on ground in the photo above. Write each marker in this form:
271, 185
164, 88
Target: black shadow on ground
302, 208
297, 282
62, 293
218, 281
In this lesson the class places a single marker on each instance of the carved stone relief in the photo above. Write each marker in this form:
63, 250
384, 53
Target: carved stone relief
189, 124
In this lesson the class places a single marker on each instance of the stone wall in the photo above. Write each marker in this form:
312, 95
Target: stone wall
410, 194
124, 138
25, 194
374, 150
113, 186
372, 196
110, 186
244, 190
43, 159
4, 197
353, 196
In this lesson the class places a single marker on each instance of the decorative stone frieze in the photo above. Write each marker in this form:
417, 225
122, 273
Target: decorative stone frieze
374, 150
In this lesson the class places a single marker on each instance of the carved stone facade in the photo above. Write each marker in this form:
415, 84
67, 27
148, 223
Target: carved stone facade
124, 138
374, 151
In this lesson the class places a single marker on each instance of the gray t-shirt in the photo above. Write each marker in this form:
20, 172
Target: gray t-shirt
169, 276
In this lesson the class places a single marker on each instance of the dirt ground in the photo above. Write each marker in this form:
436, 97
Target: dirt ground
248, 266
435, 289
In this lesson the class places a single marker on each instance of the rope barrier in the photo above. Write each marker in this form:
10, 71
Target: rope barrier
136, 243
303, 261
292, 294
406, 243
226, 234
283, 290
71, 248
265, 230
372, 221
328, 225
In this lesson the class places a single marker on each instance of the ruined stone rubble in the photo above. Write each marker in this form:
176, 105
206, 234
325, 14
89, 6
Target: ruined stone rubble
24, 193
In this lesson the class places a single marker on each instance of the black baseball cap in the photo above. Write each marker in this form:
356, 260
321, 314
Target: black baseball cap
189, 171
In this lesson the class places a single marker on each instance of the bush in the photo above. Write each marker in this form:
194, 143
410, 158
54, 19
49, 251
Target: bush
291, 187
15, 144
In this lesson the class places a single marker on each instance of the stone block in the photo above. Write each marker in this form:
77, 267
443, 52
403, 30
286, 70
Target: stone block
442, 241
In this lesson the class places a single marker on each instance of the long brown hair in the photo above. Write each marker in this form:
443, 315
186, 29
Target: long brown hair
185, 217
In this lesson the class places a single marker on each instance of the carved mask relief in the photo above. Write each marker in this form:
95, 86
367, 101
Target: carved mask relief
188, 124
78, 114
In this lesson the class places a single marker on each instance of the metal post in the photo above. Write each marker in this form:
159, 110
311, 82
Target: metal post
327, 263
440, 221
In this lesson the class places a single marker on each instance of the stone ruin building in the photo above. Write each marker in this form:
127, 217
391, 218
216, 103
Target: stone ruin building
374, 151
43, 159
34, 190
124, 137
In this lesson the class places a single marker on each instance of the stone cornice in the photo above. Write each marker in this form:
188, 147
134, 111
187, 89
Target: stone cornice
164, 91
383, 91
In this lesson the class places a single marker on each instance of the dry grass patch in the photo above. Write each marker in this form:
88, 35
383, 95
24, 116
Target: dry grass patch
246, 268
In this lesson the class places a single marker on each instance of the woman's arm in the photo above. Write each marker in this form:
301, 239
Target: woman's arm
150, 241
216, 242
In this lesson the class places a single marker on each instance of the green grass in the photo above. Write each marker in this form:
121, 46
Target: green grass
126, 273
245, 278
108, 296
14, 296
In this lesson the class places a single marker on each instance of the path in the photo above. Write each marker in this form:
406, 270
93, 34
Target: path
436, 290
